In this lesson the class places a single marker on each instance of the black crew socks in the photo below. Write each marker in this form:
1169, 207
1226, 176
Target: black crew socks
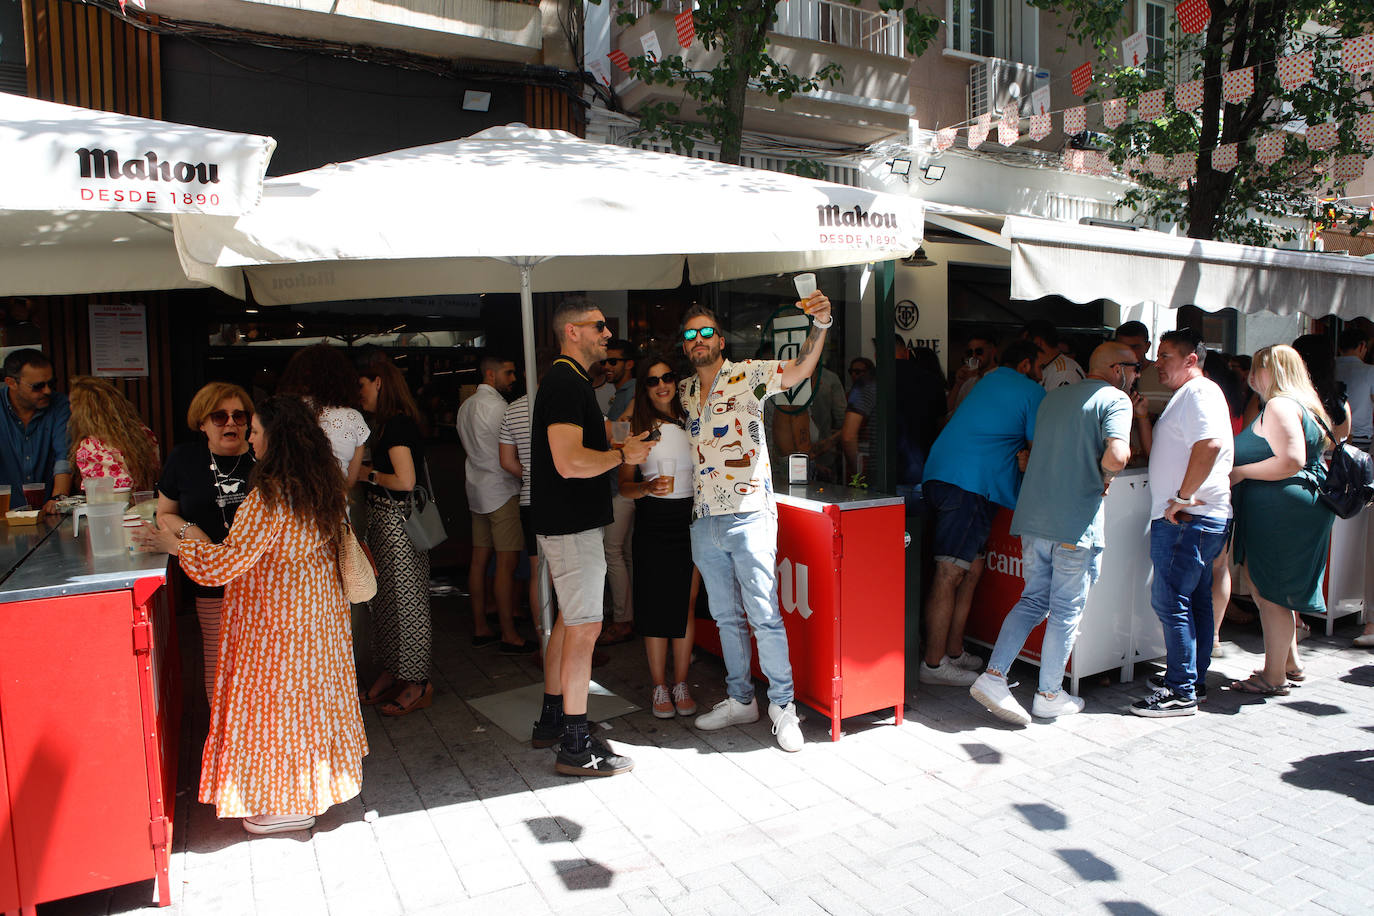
576, 733
551, 713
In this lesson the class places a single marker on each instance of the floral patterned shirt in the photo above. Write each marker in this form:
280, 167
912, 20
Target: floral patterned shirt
733, 472
95, 458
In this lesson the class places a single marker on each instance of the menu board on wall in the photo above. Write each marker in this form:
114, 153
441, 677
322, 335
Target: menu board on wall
119, 340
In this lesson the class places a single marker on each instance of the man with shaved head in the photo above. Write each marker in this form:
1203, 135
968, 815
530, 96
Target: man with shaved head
1082, 435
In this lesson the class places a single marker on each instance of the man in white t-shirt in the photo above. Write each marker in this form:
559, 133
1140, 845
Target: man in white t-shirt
1190, 510
1359, 384
1057, 369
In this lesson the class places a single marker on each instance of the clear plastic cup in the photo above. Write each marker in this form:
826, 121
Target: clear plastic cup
620, 431
667, 468
145, 504
805, 284
4, 500
33, 494
98, 490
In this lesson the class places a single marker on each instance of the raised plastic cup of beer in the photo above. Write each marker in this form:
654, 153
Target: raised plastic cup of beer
805, 284
667, 468
33, 494
620, 431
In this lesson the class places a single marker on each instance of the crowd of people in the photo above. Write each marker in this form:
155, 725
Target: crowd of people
643, 491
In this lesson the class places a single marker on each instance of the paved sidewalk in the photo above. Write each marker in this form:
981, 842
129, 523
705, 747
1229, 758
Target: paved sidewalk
1251, 806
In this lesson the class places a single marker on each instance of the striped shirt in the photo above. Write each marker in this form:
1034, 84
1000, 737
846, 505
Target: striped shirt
515, 430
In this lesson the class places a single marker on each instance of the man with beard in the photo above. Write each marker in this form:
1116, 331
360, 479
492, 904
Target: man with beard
33, 430
735, 531
1081, 435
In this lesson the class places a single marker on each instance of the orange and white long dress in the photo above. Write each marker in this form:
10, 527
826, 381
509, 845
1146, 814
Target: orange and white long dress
286, 733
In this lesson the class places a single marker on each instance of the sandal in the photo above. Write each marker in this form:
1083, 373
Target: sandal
374, 696
423, 701
1297, 675
1256, 685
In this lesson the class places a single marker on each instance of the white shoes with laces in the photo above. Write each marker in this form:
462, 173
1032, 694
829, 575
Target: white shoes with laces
727, 712
786, 726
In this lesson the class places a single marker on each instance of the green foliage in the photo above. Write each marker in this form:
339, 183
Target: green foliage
1231, 205
739, 30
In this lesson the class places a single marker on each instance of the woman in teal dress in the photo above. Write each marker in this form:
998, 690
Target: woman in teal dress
1282, 531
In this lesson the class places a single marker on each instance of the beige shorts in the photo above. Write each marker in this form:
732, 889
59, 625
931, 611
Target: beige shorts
499, 529
577, 563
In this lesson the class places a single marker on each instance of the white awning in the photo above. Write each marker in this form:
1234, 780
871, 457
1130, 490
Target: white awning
1083, 263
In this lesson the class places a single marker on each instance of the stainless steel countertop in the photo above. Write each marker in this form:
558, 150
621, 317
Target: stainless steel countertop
54, 563
815, 496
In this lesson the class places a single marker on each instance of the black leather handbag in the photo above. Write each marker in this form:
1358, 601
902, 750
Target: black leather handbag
1349, 485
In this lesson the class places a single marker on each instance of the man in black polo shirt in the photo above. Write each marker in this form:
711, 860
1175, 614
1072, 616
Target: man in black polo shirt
571, 503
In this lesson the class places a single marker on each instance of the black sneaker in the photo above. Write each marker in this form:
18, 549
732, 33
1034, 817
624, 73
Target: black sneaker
528, 647
482, 642
597, 760
546, 735
1156, 681
1162, 704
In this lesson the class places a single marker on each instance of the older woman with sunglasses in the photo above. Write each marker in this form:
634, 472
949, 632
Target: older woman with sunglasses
201, 488
666, 582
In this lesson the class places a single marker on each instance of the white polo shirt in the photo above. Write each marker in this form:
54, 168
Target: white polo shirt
489, 486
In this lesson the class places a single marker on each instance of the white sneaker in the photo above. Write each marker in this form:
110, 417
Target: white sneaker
263, 824
946, 673
968, 661
786, 726
728, 711
1061, 704
992, 691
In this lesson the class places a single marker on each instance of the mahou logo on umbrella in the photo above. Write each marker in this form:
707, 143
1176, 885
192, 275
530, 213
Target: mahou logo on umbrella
106, 164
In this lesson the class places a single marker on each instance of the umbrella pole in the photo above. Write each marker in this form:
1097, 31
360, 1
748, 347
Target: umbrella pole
538, 569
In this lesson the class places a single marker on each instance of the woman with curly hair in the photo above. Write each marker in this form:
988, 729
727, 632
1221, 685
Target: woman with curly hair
108, 437
401, 626
286, 736
327, 381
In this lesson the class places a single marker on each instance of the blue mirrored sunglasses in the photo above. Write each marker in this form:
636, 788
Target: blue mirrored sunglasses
691, 333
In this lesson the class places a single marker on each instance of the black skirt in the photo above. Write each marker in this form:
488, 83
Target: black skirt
662, 548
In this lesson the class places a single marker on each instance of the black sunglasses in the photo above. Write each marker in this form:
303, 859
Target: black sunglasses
45, 385
1135, 366
599, 324
856, 370
706, 333
613, 360
974, 351
666, 378
224, 417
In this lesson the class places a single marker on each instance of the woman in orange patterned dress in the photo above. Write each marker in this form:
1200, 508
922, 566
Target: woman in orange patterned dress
286, 735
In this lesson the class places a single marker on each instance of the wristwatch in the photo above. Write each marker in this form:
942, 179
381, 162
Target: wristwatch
372, 476
1179, 498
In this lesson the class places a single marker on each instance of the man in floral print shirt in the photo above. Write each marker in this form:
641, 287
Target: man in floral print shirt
735, 531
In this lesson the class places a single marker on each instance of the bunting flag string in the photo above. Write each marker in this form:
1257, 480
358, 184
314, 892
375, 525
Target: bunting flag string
652, 49
1188, 96
978, 130
1348, 168
1357, 54
1075, 120
1114, 112
1135, 49
1009, 128
1364, 127
620, 59
1040, 126
1193, 15
1157, 164
1238, 85
1150, 105
1270, 148
1081, 78
1294, 70
599, 71
1323, 136
1225, 156
944, 138
1040, 101
686, 28
1183, 165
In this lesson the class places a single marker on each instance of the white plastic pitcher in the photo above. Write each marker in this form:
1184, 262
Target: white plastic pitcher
105, 524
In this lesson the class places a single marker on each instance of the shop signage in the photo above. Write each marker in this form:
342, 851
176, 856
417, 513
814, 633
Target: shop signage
119, 340
857, 227
793, 594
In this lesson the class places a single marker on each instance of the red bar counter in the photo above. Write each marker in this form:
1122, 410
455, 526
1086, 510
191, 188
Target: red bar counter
841, 588
90, 710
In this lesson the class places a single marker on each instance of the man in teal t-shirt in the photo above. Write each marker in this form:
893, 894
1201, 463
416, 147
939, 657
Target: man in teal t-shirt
1082, 442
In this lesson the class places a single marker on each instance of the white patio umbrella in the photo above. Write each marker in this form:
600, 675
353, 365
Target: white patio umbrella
517, 209
86, 196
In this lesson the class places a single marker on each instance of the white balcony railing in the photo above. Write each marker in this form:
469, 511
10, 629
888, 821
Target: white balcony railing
831, 21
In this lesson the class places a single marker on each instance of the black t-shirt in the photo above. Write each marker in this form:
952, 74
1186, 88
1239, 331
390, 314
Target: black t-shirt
563, 505
205, 497
399, 430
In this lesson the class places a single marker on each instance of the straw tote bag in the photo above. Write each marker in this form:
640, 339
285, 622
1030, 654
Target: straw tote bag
356, 569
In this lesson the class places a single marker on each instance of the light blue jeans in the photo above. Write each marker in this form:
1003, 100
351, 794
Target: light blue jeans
1058, 577
737, 557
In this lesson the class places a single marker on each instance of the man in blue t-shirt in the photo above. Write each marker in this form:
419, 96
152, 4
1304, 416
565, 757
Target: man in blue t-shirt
1082, 436
973, 467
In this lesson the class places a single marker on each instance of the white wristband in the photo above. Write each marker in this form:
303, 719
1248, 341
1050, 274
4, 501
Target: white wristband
823, 326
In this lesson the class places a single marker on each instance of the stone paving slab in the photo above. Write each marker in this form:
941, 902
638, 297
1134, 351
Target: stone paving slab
1252, 806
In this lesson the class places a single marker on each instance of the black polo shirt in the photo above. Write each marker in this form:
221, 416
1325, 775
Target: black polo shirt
562, 505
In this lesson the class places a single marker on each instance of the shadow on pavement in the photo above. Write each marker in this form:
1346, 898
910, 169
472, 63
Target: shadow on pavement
1348, 773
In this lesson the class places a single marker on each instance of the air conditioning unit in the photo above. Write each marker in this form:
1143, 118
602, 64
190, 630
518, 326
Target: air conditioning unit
995, 83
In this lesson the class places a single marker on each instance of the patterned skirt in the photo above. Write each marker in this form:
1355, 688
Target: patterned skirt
401, 628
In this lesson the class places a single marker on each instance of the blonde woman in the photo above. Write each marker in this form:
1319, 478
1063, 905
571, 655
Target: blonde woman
1282, 530
108, 437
